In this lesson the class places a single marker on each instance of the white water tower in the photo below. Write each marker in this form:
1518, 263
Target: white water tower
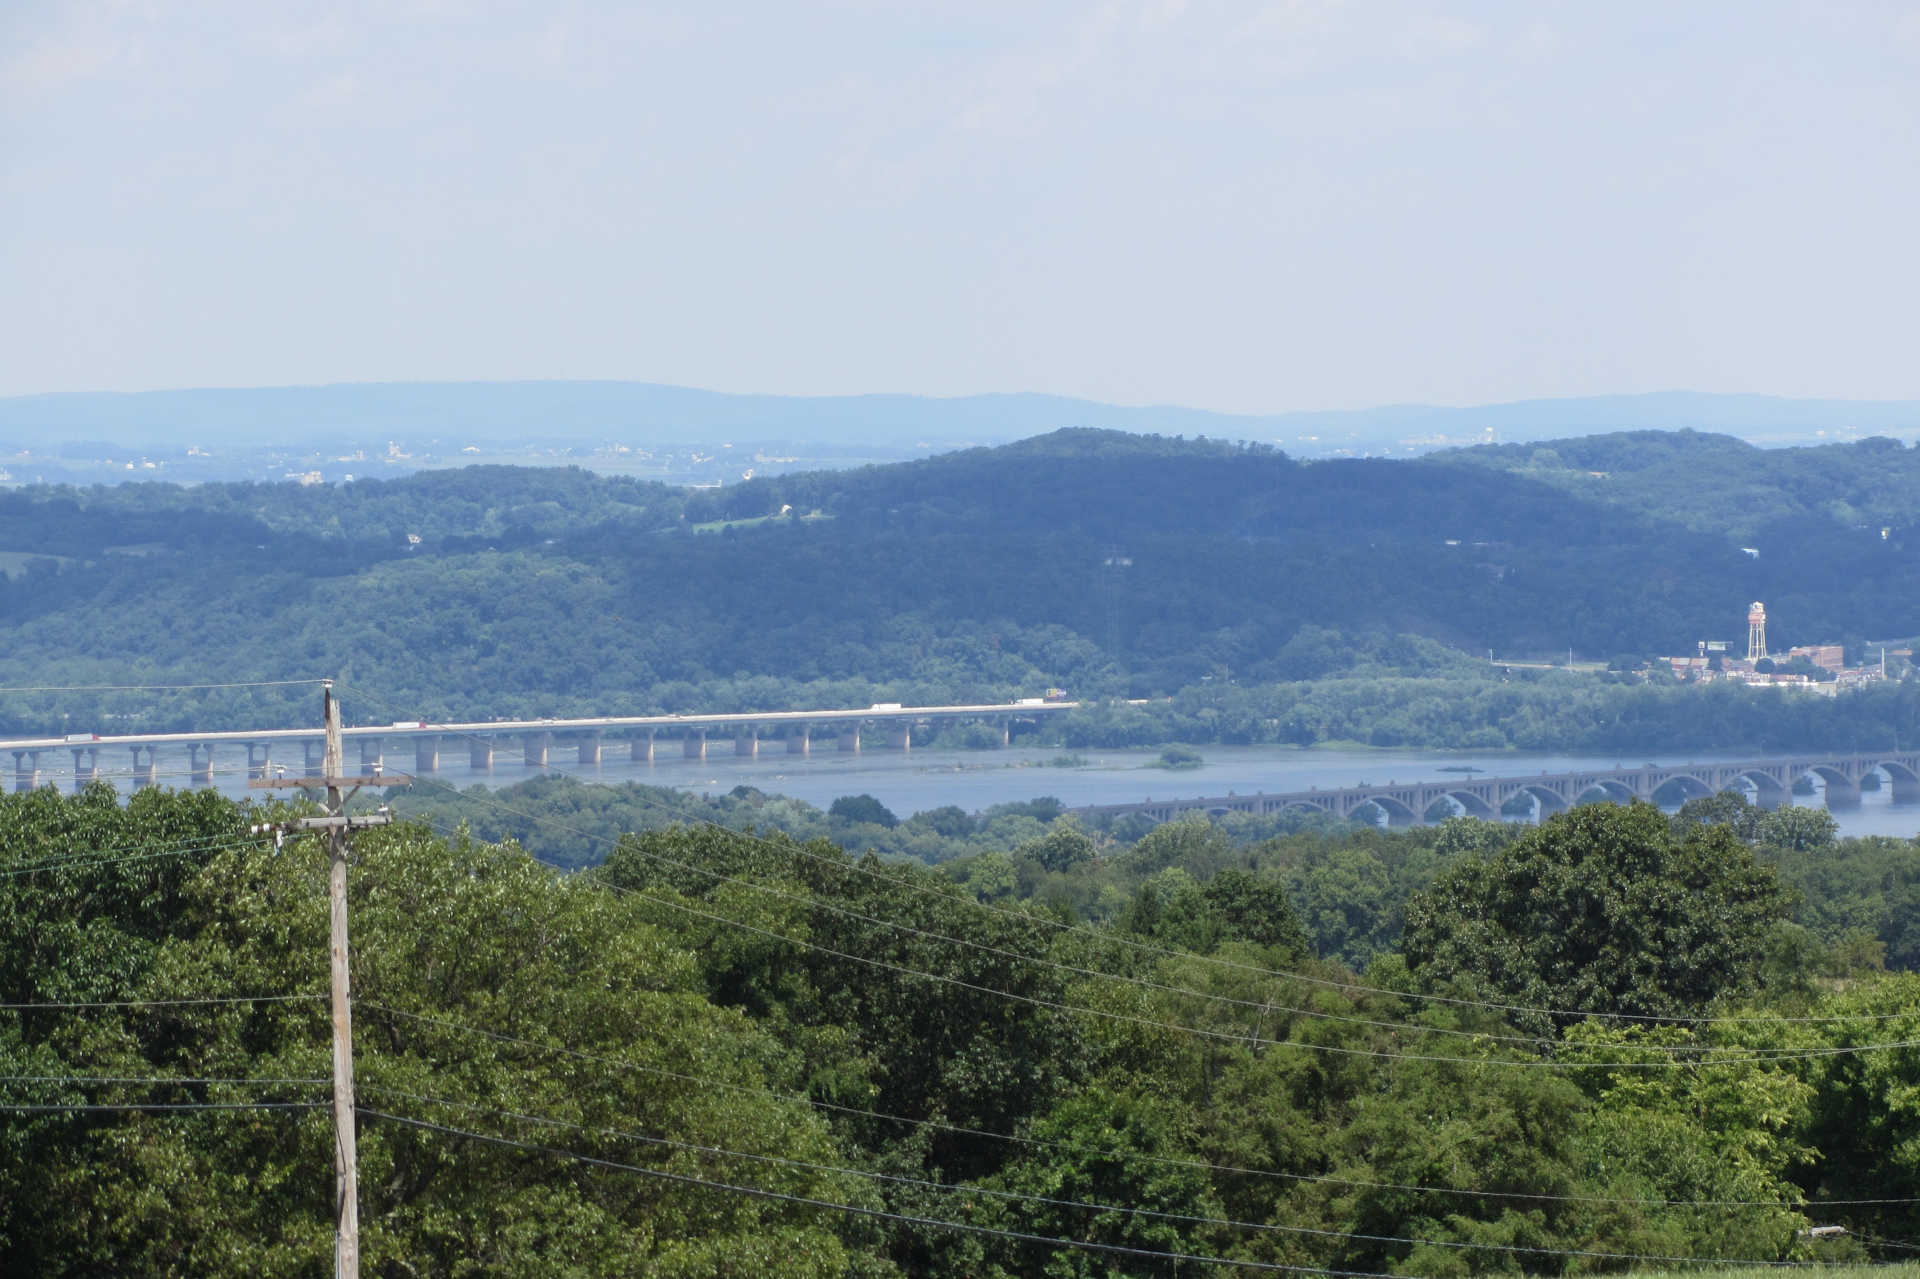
1756, 631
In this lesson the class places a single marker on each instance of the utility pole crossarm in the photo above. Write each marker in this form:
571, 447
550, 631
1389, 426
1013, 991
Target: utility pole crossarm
361, 822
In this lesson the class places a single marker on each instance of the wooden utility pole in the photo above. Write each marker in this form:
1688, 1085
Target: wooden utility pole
339, 828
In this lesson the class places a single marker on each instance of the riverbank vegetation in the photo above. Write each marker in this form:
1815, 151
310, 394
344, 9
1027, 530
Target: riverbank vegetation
719, 1052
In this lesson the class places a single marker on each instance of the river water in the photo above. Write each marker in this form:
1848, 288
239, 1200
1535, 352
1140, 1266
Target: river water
908, 782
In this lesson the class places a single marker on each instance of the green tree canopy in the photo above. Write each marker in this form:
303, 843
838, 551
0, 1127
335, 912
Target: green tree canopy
1602, 909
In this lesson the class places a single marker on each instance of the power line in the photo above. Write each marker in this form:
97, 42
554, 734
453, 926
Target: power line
1054, 1202
858, 1210
1070, 1147
1255, 1039
1239, 1037
160, 1003
1264, 1007
152, 688
156, 1106
794, 849
167, 1081
84, 863
142, 846
1261, 1007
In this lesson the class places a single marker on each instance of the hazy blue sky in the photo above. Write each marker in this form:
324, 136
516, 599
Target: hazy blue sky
1245, 206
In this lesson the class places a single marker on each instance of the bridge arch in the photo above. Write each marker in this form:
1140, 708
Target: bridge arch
1473, 804
1827, 773
1685, 786
1397, 813
1895, 770
1547, 800
1768, 790
1606, 790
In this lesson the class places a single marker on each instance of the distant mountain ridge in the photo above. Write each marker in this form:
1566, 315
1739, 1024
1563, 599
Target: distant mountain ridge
451, 411
1109, 563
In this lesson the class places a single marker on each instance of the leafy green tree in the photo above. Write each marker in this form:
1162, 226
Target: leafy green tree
1866, 1112
1798, 829
1729, 808
854, 810
1194, 844
486, 989
1254, 908
1064, 847
1121, 1147
1601, 908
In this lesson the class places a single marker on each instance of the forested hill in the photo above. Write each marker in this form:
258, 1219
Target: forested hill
1720, 484
1104, 562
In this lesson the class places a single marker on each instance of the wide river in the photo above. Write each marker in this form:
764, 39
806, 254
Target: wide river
910, 782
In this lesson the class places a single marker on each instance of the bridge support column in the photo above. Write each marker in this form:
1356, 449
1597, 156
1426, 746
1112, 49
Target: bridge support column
371, 762
86, 762
850, 740
800, 741
589, 749
426, 754
641, 751
316, 758
747, 745
1006, 733
200, 763
26, 770
480, 755
142, 771
1842, 794
694, 744
533, 749
259, 759
1906, 790
900, 737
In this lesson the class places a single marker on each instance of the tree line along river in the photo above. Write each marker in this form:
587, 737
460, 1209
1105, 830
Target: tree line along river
908, 782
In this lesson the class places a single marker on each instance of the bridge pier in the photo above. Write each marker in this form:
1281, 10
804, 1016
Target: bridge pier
86, 761
1842, 793
533, 749
1769, 793
480, 755
747, 745
426, 754
315, 758
694, 744
259, 760
641, 750
1906, 790
1006, 733
800, 741
200, 763
372, 764
589, 752
26, 770
850, 740
900, 737
143, 773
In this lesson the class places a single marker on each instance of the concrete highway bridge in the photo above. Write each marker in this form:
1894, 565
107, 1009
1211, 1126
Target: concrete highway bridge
1408, 803
280, 751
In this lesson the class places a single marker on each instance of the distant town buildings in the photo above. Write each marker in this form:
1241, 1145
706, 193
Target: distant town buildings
1820, 668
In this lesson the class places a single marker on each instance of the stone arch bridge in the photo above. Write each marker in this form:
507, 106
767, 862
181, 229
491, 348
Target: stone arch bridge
1405, 804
